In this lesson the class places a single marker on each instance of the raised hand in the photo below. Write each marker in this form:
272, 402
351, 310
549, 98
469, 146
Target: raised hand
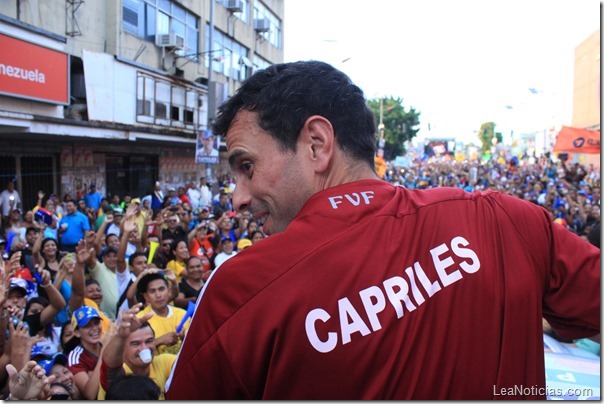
83, 253
128, 321
129, 225
28, 383
131, 211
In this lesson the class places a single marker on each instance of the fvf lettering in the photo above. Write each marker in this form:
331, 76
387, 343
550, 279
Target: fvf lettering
355, 199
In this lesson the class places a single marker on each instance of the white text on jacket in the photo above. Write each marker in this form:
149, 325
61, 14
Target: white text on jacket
394, 290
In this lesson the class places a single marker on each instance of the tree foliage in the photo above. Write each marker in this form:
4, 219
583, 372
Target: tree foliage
487, 134
400, 125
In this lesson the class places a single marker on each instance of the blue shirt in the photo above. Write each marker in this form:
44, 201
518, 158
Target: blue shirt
77, 224
93, 200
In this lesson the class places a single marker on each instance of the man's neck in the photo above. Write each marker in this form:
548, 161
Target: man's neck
161, 311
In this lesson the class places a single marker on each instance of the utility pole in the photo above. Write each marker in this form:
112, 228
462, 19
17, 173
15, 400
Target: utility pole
211, 84
382, 141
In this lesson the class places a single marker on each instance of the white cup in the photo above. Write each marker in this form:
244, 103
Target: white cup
64, 226
145, 355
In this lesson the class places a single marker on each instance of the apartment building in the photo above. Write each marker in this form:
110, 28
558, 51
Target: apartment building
117, 92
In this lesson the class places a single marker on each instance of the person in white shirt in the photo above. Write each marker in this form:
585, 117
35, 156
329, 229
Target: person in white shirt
194, 194
206, 193
227, 252
9, 199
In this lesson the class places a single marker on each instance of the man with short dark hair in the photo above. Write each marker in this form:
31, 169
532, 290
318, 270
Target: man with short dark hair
133, 351
31, 235
366, 290
93, 198
72, 227
157, 292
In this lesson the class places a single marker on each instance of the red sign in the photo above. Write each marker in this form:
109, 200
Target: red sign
577, 140
33, 71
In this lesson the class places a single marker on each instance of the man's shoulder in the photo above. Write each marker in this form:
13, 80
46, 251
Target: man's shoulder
164, 359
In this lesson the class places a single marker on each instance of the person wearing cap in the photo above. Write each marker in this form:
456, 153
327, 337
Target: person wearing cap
72, 227
175, 228
133, 351
200, 243
105, 274
172, 198
156, 290
57, 366
14, 223
93, 198
200, 215
243, 243
114, 226
16, 298
84, 350
226, 252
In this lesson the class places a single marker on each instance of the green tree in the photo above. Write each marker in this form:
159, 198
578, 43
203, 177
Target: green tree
487, 134
400, 125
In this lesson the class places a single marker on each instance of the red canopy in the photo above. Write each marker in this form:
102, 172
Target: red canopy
578, 140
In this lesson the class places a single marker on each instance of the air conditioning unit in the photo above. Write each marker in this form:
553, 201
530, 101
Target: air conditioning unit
171, 40
233, 6
262, 25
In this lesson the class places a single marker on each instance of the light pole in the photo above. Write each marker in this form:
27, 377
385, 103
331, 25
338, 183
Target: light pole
381, 141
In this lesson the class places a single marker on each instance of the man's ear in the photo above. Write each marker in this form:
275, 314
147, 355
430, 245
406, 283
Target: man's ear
318, 142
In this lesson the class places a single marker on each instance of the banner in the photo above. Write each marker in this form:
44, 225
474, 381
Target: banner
576, 140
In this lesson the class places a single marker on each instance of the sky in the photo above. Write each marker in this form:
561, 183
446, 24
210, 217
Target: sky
459, 63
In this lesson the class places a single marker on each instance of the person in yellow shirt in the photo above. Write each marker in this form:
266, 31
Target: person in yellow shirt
179, 251
132, 351
155, 290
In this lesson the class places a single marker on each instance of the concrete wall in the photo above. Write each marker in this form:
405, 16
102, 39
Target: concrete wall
587, 83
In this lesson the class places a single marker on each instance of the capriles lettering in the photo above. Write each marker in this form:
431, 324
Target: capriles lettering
395, 291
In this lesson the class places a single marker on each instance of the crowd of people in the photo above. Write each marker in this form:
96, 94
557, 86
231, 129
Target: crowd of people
569, 191
99, 289
97, 292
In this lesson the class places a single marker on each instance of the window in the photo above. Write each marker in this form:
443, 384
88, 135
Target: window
229, 56
162, 102
261, 12
260, 63
146, 18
